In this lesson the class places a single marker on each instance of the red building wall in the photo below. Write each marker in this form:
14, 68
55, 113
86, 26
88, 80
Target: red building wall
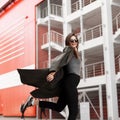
17, 50
20, 23
12, 99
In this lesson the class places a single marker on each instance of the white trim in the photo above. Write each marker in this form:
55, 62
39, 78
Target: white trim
12, 78
13, 57
53, 45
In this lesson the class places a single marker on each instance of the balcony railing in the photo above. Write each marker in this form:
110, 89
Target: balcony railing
91, 70
94, 69
117, 64
55, 10
44, 12
76, 5
92, 33
116, 23
87, 2
96, 31
54, 37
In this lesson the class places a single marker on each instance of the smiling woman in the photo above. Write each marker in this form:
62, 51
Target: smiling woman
66, 88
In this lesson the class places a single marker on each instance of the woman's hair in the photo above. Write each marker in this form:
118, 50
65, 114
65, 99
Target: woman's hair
67, 42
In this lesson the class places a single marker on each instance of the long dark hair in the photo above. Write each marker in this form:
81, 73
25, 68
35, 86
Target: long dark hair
67, 43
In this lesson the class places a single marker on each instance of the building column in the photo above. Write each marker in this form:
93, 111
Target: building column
108, 49
66, 11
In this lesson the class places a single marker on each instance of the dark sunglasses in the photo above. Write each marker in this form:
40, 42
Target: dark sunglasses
73, 40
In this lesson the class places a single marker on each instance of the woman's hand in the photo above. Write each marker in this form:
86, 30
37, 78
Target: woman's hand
50, 76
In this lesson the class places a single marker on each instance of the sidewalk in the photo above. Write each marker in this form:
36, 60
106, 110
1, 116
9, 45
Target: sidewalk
16, 118
19, 118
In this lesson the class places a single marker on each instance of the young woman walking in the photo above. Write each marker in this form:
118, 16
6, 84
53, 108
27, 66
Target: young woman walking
65, 88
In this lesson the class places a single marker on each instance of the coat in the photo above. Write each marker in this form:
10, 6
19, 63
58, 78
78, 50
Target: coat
37, 77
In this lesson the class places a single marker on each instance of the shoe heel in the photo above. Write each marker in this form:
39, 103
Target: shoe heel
24, 106
22, 112
22, 116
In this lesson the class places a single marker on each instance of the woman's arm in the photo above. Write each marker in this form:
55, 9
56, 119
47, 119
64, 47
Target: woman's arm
62, 59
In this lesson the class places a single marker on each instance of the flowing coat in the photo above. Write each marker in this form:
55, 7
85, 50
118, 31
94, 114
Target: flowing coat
37, 77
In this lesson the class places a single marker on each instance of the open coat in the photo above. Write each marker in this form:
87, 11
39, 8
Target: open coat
37, 77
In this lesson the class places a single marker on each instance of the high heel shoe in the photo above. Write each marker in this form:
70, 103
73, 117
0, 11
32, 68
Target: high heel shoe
24, 106
21, 110
42, 110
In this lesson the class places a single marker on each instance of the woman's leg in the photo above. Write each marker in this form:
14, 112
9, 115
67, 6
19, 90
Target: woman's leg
68, 96
71, 83
59, 106
24, 106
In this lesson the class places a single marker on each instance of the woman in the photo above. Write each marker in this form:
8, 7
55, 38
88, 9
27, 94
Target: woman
69, 61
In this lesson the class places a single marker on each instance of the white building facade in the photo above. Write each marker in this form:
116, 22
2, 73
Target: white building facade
97, 24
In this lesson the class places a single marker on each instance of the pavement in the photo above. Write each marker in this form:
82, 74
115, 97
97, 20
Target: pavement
26, 118
16, 118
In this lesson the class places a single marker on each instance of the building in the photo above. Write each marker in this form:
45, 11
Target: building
32, 33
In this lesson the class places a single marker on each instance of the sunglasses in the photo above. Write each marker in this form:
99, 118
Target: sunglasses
73, 40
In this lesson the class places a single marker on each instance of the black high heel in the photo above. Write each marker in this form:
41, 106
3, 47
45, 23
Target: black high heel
21, 110
42, 110
24, 106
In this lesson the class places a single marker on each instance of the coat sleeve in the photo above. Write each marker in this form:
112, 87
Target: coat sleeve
62, 59
37, 77
33, 77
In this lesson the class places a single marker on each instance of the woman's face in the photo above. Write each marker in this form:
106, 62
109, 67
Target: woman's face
73, 42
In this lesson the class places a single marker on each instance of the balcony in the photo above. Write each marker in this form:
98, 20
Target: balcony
116, 28
76, 5
55, 10
116, 1
95, 69
92, 33
56, 41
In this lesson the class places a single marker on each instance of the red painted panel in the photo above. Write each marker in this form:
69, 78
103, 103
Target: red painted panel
17, 36
12, 99
17, 50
